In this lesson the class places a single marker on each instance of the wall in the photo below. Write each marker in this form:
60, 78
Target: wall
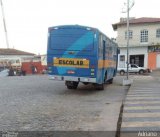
135, 41
26, 66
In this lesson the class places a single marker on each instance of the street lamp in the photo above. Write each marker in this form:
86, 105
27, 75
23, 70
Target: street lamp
127, 10
4, 23
127, 37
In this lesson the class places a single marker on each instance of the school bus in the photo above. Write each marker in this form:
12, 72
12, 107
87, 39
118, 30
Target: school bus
81, 54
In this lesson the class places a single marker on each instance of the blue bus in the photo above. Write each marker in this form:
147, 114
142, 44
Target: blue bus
81, 54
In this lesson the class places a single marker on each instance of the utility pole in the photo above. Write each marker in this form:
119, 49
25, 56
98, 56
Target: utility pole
127, 81
127, 37
4, 23
128, 9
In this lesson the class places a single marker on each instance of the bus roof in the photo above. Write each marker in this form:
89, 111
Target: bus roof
72, 26
79, 27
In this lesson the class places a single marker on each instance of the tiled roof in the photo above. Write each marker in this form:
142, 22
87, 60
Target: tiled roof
13, 52
137, 21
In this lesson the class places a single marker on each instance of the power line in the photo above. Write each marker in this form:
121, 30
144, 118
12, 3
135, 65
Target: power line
4, 23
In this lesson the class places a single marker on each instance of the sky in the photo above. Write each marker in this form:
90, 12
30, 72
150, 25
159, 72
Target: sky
27, 21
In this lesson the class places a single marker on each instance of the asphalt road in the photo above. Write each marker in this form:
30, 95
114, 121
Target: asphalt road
35, 103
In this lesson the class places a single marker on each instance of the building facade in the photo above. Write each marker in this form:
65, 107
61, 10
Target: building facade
144, 42
13, 56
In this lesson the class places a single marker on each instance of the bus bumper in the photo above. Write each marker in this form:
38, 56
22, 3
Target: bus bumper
71, 78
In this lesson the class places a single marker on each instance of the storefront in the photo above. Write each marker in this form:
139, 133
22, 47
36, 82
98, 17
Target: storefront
137, 55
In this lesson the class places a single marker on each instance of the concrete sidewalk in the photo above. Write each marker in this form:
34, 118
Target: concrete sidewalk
141, 110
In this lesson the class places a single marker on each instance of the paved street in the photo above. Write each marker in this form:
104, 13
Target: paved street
34, 103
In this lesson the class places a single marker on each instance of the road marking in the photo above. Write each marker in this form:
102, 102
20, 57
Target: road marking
139, 88
136, 130
142, 108
140, 102
143, 77
141, 111
136, 96
141, 115
142, 93
148, 97
141, 124
145, 88
142, 90
136, 91
142, 105
140, 119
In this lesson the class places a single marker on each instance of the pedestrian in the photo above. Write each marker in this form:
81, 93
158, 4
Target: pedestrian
33, 69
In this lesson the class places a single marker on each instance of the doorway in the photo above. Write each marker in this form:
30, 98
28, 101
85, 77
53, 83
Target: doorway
137, 59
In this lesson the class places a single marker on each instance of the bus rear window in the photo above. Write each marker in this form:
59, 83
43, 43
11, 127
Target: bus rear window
71, 40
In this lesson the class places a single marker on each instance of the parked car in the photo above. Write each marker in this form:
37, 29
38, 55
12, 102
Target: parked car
133, 68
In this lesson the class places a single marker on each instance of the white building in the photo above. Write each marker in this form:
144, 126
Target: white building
14, 57
144, 42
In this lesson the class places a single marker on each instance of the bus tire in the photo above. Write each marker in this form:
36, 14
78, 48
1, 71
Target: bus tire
110, 81
85, 83
114, 74
105, 77
99, 86
71, 84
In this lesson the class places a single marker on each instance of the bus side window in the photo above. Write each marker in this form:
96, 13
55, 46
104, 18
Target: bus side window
100, 46
104, 49
107, 48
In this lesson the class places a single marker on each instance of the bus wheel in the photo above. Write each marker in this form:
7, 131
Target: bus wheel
110, 81
85, 83
71, 84
105, 77
99, 86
